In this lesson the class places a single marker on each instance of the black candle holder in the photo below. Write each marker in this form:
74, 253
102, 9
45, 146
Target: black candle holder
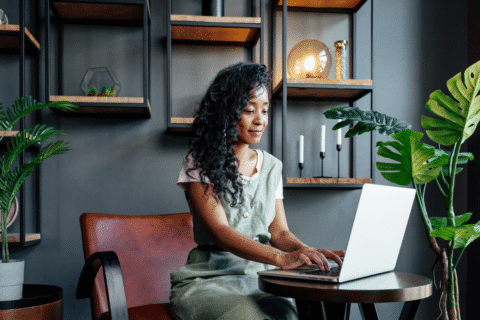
322, 156
300, 166
339, 148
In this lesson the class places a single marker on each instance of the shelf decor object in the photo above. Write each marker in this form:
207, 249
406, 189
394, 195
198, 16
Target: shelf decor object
214, 8
100, 82
301, 146
126, 13
341, 59
309, 59
12, 215
3, 17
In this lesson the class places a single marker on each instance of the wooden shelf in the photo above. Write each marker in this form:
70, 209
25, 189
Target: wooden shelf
347, 89
10, 40
180, 125
119, 107
9, 135
121, 12
327, 182
323, 5
241, 31
30, 239
182, 120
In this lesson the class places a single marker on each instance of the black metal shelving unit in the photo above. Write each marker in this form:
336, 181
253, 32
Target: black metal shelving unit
208, 30
347, 91
134, 13
18, 39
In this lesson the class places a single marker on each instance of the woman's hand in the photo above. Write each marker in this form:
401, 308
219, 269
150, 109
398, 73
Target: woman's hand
308, 255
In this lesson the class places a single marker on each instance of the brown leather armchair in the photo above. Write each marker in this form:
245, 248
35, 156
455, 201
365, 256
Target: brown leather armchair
136, 254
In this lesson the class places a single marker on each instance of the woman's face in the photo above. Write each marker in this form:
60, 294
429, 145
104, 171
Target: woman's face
254, 118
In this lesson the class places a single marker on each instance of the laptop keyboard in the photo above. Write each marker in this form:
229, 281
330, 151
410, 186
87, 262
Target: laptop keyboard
335, 271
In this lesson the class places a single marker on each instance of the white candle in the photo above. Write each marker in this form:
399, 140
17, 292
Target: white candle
300, 150
339, 136
322, 140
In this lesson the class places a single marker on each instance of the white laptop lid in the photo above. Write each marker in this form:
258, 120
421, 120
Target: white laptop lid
377, 232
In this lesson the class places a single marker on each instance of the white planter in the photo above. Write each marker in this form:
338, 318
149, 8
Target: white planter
11, 280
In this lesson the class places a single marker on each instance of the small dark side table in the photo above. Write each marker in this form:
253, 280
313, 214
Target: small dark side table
39, 302
327, 301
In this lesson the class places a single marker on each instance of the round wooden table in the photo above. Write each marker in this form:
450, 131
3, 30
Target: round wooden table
39, 302
336, 298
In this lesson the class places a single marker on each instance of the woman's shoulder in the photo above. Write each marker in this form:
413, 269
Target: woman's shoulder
270, 160
189, 172
270, 157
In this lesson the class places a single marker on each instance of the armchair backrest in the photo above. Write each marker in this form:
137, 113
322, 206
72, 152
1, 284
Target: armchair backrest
148, 248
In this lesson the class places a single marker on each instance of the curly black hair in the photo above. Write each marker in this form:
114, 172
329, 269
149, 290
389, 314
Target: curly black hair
215, 127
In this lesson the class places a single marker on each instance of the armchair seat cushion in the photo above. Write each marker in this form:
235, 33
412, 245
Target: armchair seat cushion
159, 311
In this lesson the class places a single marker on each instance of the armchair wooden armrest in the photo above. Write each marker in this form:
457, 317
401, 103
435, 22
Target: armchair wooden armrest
112, 273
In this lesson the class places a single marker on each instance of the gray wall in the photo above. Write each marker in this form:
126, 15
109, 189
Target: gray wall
130, 167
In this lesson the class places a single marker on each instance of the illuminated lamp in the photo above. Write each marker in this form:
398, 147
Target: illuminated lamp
309, 59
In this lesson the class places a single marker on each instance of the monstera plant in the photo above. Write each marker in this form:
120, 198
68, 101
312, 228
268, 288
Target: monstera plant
454, 119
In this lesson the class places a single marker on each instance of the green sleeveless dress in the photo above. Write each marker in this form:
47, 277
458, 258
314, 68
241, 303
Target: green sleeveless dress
216, 284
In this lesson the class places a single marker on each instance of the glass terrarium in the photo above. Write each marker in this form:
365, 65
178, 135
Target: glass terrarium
100, 82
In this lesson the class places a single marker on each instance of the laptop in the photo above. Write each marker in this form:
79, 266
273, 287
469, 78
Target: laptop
375, 239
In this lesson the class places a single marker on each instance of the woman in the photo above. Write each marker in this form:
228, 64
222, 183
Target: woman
236, 197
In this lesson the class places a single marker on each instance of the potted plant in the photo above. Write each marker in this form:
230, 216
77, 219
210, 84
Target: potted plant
455, 120
12, 176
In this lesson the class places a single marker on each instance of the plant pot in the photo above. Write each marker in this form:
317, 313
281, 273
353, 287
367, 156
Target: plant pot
11, 280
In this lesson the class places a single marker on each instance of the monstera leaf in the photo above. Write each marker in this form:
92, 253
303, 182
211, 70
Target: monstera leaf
439, 222
457, 119
364, 121
461, 235
463, 158
414, 160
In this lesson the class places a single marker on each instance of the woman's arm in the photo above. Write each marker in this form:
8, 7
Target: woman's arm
285, 240
287, 251
211, 215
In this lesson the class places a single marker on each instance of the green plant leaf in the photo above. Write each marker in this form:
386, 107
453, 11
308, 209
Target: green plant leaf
414, 160
456, 119
461, 235
11, 179
364, 121
438, 222
463, 158
24, 106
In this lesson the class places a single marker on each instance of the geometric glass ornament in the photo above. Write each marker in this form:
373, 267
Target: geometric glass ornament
100, 82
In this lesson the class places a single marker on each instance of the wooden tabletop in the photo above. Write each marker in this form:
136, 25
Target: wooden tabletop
386, 287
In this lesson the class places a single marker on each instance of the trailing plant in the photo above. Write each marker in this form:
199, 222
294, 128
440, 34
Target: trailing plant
452, 122
12, 176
